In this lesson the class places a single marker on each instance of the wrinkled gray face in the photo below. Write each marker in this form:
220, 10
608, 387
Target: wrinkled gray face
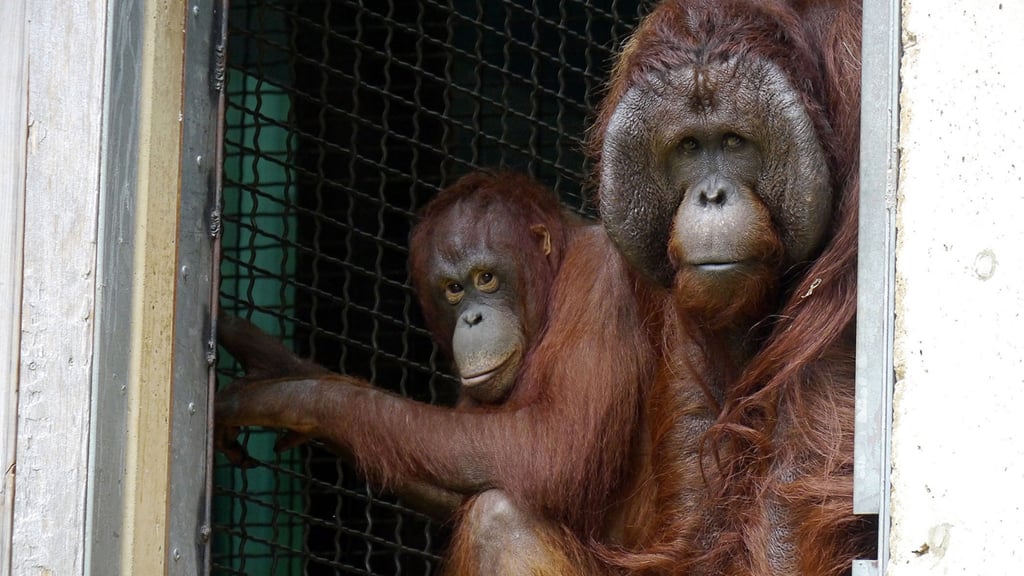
477, 292
711, 171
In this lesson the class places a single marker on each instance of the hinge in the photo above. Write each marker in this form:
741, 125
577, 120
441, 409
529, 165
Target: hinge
219, 46
220, 66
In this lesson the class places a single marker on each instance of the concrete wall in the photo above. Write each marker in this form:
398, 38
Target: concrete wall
958, 429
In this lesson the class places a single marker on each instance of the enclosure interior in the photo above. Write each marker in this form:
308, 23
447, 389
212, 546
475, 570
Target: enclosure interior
342, 119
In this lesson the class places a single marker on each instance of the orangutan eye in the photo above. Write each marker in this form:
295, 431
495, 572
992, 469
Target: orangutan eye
486, 282
453, 292
732, 141
689, 144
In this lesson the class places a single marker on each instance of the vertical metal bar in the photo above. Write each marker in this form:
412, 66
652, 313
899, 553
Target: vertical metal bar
115, 271
876, 265
195, 305
865, 568
220, 24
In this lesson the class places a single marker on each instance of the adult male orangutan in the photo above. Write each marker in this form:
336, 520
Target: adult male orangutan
728, 155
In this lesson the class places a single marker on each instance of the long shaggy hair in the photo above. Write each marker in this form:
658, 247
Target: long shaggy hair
775, 450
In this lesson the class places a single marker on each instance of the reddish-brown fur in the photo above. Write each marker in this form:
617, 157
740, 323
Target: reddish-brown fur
558, 447
750, 446
564, 433
752, 442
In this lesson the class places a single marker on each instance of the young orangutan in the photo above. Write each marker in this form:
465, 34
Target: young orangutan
517, 294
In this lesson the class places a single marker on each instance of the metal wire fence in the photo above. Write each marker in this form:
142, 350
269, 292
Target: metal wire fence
343, 119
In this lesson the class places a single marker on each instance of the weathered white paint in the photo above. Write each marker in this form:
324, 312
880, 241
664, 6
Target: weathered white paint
65, 86
958, 443
13, 127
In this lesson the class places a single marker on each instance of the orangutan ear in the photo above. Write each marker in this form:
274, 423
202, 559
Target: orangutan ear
543, 236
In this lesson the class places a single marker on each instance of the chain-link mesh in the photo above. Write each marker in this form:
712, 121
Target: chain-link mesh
343, 119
